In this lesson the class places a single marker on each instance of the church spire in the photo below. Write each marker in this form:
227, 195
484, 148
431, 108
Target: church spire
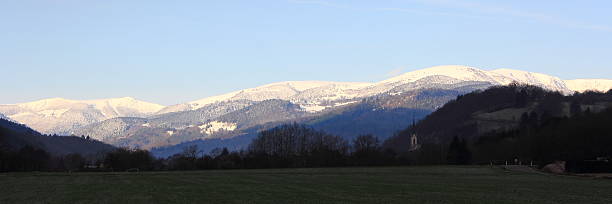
414, 144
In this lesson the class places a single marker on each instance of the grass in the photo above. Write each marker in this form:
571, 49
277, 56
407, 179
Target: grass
439, 184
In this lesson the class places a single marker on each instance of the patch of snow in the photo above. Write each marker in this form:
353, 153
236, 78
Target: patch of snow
213, 99
312, 108
146, 125
343, 104
216, 126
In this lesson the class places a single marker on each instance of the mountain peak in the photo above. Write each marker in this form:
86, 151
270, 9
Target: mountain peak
278, 90
459, 72
305, 85
506, 76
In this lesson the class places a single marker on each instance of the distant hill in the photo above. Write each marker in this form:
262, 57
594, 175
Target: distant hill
14, 136
500, 108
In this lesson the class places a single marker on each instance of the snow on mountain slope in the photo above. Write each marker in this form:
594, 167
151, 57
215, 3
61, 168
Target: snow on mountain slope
542, 80
2, 116
280, 90
125, 106
498, 77
213, 127
581, 85
463, 73
315, 96
109, 107
58, 115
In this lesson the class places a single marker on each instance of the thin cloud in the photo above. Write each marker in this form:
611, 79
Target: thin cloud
474, 7
512, 12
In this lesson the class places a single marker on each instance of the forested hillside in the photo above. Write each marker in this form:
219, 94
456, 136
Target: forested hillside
23, 149
584, 136
15, 136
521, 121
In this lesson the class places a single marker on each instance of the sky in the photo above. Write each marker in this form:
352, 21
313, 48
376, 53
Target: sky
170, 52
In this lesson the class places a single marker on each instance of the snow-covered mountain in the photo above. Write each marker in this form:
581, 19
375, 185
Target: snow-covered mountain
581, 85
507, 76
289, 90
461, 73
455, 73
58, 115
317, 95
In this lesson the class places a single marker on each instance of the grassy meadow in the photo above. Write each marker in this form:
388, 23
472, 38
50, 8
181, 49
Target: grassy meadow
435, 184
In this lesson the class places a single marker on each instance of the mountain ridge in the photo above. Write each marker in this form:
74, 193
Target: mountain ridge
59, 115
503, 76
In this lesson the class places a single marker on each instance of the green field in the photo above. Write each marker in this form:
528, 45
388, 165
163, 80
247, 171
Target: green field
469, 184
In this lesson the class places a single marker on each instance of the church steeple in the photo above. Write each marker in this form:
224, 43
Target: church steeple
414, 143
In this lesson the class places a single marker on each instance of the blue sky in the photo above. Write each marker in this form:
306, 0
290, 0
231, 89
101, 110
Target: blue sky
170, 52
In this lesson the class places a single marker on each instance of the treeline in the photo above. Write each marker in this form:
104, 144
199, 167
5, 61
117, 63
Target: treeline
286, 146
30, 158
296, 145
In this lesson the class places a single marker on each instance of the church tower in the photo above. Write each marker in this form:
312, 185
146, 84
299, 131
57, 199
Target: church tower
414, 143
